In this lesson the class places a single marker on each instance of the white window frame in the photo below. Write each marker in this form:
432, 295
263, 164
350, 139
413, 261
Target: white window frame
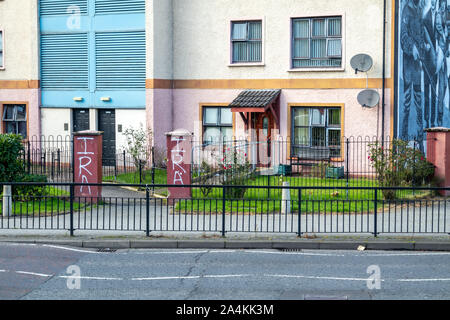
319, 15
263, 32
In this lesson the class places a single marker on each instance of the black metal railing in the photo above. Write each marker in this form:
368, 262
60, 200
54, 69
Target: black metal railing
285, 209
52, 157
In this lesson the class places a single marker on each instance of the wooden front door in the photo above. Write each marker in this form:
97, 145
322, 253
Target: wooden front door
264, 126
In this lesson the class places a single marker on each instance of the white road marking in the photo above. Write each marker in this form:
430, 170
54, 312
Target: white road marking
405, 254
166, 278
192, 277
90, 278
227, 276
174, 252
70, 249
422, 280
18, 244
35, 274
315, 277
297, 253
3, 270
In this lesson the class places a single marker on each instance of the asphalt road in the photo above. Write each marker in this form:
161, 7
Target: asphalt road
41, 272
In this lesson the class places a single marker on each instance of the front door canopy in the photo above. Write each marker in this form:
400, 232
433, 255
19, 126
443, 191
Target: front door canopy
254, 100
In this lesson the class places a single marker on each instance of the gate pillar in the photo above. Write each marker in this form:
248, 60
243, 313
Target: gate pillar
88, 163
179, 147
438, 153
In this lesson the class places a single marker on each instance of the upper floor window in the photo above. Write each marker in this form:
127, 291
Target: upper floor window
317, 42
1, 50
246, 41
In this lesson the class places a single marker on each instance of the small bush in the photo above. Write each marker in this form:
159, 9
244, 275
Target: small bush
24, 192
399, 165
11, 164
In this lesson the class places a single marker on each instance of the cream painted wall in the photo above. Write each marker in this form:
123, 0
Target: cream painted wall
53, 119
19, 22
202, 36
159, 25
128, 118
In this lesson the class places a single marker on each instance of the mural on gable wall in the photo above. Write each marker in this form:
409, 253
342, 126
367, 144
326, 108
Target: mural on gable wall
423, 66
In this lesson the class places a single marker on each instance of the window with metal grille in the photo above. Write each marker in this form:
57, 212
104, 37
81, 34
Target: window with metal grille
316, 128
217, 124
246, 41
15, 119
317, 42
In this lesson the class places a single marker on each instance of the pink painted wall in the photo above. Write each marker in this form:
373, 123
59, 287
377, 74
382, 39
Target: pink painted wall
159, 114
358, 121
361, 123
30, 96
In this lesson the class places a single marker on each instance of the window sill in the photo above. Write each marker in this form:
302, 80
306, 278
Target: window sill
259, 64
317, 70
2, 68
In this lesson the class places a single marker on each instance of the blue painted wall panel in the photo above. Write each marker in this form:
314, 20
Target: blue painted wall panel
108, 61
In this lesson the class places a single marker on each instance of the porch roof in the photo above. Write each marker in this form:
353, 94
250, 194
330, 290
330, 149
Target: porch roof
254, 100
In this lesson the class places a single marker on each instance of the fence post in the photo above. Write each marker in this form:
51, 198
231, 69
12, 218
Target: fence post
124, 162
153, 167
375, 215
299, 233
224, 191
347, 146
73, 159
29, 157
268, 184
147, 211
72, 192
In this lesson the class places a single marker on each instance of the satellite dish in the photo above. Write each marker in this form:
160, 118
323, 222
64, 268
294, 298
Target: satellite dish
368, 98
361, 62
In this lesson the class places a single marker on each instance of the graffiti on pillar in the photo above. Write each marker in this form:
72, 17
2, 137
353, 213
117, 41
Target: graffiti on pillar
177, 157
84, 163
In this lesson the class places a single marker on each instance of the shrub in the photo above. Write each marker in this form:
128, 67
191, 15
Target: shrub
11, 164
237, 171
399, 165
206, 170
138, 145
24, 192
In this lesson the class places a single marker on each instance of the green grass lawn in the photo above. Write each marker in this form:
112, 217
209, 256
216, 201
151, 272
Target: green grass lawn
263, 200
133, 177
55, 201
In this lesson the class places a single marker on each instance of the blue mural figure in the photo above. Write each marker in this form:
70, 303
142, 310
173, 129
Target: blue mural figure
443, 52
412, 43
424, 65
429, 59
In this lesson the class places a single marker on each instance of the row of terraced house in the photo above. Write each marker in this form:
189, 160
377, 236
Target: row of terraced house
219, 68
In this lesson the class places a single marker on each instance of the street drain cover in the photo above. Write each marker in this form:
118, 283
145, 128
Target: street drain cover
106, 250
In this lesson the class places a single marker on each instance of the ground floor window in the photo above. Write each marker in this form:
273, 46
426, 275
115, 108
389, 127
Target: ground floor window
217, 124
316, 127
15, 119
